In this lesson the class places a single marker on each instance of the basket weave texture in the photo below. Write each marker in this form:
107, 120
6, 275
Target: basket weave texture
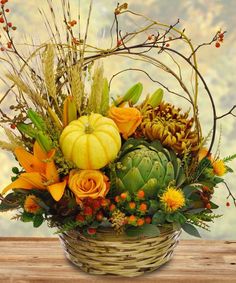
112, 254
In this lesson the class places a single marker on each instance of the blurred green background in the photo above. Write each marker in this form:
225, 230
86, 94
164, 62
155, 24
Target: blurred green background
201, 19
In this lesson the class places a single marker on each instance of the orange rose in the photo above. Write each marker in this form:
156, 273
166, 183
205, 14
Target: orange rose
126, 119
88, 183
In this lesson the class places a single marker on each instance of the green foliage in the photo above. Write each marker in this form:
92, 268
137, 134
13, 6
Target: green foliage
147, 230
191, 230
67, 226
105, 98
229, 158
38, 220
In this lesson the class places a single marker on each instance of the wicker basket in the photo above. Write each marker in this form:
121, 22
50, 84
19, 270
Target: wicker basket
112, 254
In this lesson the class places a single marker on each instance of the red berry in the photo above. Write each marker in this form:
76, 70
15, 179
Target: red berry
13, 126
7, 10
9, 24
88, 211
79, 218
91, 231
221, 35
2, 20
119, 42
104, 202
14, 28
112, 207
167, 45
217, 45
208, 206
9, 45
150, 37
227, 203
96, 204
99, 216
148, 219
2, 48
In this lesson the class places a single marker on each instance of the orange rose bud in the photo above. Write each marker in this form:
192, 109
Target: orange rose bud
132, 219
132, 205
91, 231
80, 218
141, 194
124, 196
143, 207
112, 207
127, 119
148, 220
117, 199
140, 221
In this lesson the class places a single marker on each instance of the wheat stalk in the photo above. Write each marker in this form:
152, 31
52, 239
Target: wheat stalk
77, 86
95, 98
48, 70
33, 95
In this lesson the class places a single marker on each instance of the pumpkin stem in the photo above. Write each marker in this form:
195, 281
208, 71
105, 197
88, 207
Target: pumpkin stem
88, 129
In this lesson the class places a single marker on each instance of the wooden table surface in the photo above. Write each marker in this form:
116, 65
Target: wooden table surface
42, 260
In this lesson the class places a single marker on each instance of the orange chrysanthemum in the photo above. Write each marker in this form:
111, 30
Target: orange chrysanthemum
31, 204
219, 167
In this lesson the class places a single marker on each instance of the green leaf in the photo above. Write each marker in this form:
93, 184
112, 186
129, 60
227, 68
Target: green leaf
158, 218
229, 170
38, 220
213, 205
27, 217
27, 130
191, 230
153, 206
147, 230
189, 189
36, 120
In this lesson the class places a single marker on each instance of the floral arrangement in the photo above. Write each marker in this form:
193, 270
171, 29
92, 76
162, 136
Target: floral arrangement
88, 160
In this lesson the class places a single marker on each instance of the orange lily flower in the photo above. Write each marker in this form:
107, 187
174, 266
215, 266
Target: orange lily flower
40, 172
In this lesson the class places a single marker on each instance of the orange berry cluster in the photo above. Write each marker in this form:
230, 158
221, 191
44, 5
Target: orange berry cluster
134, 205
72, 23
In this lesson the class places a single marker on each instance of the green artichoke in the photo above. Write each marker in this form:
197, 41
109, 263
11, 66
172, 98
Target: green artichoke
147, 167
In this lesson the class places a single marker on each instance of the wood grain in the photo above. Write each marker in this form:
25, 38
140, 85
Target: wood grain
42, 260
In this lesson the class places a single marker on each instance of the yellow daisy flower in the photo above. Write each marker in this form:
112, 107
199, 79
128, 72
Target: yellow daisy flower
31, 204
219, 167
172, 199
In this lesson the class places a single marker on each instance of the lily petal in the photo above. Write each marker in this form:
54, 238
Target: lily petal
39, 152
35, 179
51, 172
57, 190
28, 161
18, 184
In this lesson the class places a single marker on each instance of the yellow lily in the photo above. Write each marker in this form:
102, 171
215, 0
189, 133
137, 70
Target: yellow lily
40, 172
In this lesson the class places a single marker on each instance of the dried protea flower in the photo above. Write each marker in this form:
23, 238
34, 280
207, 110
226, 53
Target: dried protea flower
171, 127
118, 220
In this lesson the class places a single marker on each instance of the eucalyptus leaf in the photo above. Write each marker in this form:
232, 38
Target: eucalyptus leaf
38, 220
191, 230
